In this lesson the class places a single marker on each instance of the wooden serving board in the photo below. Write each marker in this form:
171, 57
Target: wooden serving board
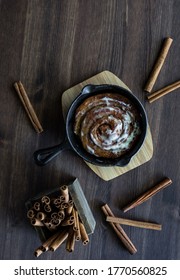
146, 151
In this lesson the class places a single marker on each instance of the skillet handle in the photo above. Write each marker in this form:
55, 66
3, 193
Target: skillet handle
44, 156
123, 162
96, 88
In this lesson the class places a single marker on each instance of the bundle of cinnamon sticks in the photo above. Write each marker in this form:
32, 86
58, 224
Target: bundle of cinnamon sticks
116, 222
60, 217
153, 96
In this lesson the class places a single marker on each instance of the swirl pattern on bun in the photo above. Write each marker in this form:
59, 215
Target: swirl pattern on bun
108, 125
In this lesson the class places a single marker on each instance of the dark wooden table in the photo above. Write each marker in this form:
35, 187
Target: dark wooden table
51, 46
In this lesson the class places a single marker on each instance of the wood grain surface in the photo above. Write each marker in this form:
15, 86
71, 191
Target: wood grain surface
51, 46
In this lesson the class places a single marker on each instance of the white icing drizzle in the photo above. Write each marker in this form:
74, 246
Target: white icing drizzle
111, 128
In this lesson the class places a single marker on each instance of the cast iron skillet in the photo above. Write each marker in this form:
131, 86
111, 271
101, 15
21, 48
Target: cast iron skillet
71, 141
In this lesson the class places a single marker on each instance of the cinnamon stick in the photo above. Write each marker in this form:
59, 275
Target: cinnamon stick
59, 240
76, 220
41, 216
36, 222
47, 243
119, 231
77, 227
52, 226
47, 208
160, 93
38, 251
148, 194
62, 198
68, 221
70, 207
28, 106
47, 223
57, 202
45, 199
65, 192
158, 65
70, 244
30, 214
61, 214
84, 235
134, 223
63, 205
54, 215
37, 206
55, 221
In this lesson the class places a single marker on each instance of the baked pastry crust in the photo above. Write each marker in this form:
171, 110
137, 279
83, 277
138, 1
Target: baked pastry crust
107, 124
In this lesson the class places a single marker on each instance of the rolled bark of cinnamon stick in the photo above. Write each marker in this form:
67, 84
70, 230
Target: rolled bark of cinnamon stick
68, 221
84, 235
148, 194
76, 226
46, 244
56, 201
38, 251
59, 240
158, 65
36, 222
75, 215
61, 214
45, 199
63, 205
162, 92
52, 227
41, 216
78, 234
54, 215
47, 208
62, 198
46, 222
65, 192
69, 208
70, 244
55, 221
119, 231
37, 206
30, 214
134, 223
28, 106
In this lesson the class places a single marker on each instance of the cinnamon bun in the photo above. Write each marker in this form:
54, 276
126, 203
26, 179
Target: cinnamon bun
108, 125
